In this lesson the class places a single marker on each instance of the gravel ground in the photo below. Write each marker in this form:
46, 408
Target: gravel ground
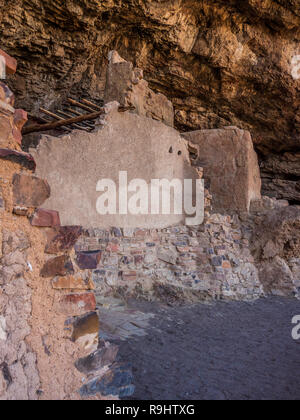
223, 351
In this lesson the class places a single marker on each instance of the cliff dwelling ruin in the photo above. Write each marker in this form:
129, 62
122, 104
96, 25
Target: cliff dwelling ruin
174, 96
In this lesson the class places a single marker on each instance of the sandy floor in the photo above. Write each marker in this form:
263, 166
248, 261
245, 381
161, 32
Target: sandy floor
221, 351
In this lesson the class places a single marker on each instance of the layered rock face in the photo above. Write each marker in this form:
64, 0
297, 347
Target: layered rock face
220, 63
276, 247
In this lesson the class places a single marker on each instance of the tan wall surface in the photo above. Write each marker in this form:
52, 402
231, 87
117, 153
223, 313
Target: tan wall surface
73, 165
230, 165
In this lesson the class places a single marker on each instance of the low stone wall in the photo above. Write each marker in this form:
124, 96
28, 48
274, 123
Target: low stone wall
212, 261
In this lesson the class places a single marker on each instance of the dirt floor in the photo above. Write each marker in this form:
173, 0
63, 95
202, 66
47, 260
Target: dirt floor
221, 351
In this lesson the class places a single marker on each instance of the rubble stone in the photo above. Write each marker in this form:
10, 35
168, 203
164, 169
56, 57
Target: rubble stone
117, 381
230, 167
209, 262
29, 191
88, 260
86, 330
277, 278
80, 281
102, 357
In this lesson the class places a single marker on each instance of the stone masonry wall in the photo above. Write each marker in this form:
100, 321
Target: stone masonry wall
49, 325
212, 261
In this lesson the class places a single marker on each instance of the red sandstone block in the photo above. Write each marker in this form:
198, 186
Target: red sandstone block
24, 159
226, 265
20, 118
6, 94
85, 325
59, 266
129, 276
78, 303
45, 218
6, 128
10, 63
88, 260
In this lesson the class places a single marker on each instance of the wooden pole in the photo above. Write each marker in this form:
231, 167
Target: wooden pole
51, 126
86, 102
